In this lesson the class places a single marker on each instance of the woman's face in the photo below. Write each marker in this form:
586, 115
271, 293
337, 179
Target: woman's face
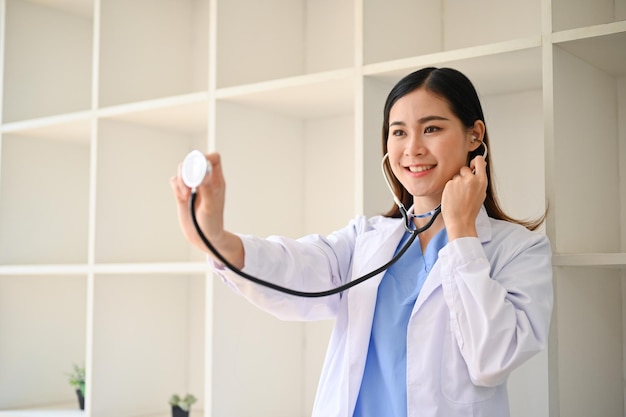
427, 145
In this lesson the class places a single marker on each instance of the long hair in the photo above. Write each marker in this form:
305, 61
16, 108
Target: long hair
459, 92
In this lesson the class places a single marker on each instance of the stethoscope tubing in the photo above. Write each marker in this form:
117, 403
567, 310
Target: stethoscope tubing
306, 294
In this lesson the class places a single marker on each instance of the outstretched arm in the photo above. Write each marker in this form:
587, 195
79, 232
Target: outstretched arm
209, 207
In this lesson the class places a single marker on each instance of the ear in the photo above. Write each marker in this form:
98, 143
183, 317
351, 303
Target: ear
476, 134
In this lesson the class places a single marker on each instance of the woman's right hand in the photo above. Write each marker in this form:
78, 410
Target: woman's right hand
209, 208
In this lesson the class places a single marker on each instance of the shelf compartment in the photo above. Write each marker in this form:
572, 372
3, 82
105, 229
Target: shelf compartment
517, 146
282, 38
47, 62
298, 131
277, 352
586, 13
136, 218
586, 345
587, 153
45, 197
601, 46
291, 153
150, 345
47, 307
152, 55
405, 28
330, 175
263, 167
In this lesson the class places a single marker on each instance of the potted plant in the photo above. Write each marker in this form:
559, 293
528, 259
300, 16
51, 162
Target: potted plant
181, 406
77, 380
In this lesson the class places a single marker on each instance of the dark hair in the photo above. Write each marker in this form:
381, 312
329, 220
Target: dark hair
459, 92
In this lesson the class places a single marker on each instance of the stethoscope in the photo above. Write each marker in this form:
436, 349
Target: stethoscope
195, 167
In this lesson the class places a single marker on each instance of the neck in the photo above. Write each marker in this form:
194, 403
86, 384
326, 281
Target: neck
426, 219
422, 221
424, 206
426, 214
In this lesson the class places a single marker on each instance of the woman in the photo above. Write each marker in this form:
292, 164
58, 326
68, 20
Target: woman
441, 330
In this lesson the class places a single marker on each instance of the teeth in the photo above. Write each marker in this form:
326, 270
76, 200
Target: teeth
420, 168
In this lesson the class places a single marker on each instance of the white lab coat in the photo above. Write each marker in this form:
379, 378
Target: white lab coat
484, 309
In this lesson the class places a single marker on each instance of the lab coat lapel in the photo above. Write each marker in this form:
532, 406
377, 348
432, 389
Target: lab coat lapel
373, 249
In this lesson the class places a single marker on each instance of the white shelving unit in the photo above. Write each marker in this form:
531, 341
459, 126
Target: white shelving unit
101, 99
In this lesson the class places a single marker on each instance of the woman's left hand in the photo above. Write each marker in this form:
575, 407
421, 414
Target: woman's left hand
462, 198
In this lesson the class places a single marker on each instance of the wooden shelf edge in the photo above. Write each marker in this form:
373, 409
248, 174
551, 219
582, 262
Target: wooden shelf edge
454, 55
110, 268
43, 122
284, 83
589, 32
152, 268
154, 104
51, 269
609, 260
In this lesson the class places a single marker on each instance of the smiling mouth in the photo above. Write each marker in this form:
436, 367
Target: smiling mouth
420, 168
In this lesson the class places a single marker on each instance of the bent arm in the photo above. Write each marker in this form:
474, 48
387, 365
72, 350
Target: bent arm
499, 312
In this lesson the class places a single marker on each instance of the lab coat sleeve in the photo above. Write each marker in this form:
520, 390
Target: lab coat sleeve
500, 308
313, 263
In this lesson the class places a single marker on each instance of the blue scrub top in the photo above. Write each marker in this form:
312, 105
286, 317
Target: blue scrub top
383, 388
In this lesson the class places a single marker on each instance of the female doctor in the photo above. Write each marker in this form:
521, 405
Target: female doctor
441, 330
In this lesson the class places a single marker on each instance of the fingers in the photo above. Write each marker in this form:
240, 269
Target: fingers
475, 173
470, 180
478, 165
462, 198
216, 176
181, 191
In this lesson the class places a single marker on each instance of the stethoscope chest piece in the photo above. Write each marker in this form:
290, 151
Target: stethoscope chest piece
195, 168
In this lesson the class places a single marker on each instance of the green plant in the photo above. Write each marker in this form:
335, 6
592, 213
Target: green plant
77, 378
183, 403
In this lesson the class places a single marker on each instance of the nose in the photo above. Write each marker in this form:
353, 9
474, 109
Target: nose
414, 145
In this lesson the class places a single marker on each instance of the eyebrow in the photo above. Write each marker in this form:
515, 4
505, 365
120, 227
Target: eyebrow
423, 120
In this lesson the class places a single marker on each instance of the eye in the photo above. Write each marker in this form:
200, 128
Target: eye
431, 129
397, 132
